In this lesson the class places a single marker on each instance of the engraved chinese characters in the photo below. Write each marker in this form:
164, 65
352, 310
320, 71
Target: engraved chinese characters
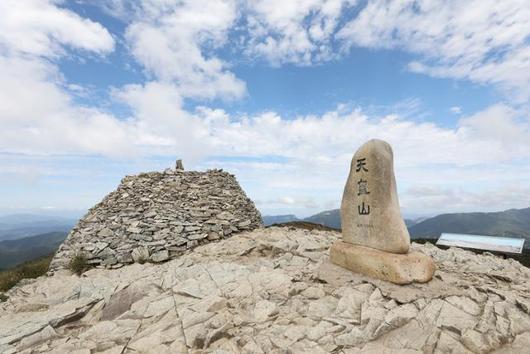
375, 241
360, 167
370, 213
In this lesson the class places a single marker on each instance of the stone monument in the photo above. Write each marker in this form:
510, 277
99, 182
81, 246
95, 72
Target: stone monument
375, 240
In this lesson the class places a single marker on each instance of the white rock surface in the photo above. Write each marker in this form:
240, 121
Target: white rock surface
272, 291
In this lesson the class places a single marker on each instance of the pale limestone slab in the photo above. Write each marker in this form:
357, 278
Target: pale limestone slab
227, 279
396, 268
370, 213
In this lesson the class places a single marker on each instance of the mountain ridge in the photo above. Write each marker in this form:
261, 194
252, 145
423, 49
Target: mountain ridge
511, 222
16, 226
14, 252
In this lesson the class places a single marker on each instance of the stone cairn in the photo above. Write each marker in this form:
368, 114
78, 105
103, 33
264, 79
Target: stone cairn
158, 216
375, 240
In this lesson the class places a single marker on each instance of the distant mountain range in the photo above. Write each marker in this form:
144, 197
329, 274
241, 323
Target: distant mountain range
330, 218
25, 237
18, 226
278, 219
513, 222
14, 252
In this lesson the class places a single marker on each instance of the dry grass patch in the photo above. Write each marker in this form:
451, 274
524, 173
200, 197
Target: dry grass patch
30, 269
78, 264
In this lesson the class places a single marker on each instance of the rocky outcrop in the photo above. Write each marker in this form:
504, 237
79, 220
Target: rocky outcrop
272, 291
157, 216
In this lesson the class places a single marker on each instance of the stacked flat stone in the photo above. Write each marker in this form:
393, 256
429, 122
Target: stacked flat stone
158, 216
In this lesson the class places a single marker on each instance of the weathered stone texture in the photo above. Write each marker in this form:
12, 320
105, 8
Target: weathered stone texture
272, 291
375, 239
370, 213
157, 216
395, 267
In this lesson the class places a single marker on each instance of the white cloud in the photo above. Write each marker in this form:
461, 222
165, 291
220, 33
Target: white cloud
163, 126
455, 110
312, 156
40, 27
289, 201
173, 41
296, 31
299, 31
300, 162
502, 125
485, 41
433, 200
330, 136
37, 115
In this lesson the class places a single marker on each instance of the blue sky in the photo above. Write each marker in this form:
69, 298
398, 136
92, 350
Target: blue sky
281, 93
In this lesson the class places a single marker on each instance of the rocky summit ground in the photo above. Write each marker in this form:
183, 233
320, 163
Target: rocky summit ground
272, 291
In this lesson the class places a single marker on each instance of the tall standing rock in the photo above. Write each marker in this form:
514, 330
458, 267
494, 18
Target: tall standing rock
375, 240
370, 214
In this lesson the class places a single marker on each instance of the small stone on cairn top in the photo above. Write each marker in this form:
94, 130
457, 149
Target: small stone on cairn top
179, 165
